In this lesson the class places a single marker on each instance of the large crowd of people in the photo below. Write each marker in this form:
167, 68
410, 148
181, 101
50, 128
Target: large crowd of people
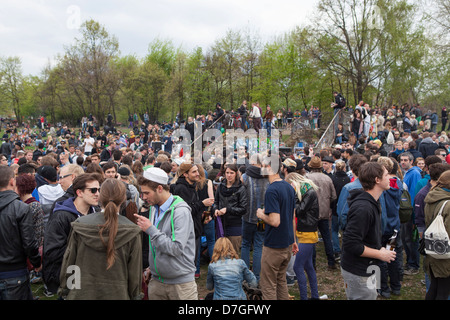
138, 217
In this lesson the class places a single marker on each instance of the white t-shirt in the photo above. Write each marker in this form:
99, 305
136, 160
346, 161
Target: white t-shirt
89, 144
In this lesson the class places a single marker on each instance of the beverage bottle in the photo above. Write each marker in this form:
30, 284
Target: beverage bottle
392, 241
261, 226
206, 214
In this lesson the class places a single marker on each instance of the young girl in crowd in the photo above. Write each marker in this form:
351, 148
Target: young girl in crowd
307, 215
226, 273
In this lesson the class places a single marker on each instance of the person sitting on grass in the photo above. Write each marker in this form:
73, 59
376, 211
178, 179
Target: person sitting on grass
226, 273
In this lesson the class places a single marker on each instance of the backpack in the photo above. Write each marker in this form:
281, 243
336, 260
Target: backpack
406, 208
130, 207
436, 238
342, 102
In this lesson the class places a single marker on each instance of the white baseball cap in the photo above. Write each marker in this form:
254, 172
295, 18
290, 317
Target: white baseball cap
156, 175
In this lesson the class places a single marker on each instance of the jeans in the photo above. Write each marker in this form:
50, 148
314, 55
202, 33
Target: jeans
411, 247
324, 228
336, 110
269, 128
391, 274
304, 263
209, 231
250, 235
335, 233
16, 288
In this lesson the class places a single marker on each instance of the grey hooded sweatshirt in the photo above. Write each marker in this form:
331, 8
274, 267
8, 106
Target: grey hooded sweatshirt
172, 246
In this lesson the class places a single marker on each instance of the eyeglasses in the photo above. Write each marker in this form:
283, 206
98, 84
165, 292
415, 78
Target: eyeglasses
93, 190
59, 178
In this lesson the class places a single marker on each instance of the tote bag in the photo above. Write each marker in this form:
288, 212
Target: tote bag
436, 238
219, 228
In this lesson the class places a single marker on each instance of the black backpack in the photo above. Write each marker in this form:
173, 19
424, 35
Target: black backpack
342, 102
406, 208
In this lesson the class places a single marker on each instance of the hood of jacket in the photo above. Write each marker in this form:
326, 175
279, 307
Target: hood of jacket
66, 205
436, 195
49, 193
415, 168
88, 229
40, 181
358, 195
183, 181
6, 197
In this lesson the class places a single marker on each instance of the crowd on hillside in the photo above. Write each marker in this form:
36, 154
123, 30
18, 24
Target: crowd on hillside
161, 215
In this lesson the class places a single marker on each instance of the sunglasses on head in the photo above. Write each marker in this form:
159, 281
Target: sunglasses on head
93, 190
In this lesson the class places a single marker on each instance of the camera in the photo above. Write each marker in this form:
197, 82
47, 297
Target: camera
438, 246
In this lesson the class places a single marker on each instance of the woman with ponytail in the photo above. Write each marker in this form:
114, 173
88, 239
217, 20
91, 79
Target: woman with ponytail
106, 249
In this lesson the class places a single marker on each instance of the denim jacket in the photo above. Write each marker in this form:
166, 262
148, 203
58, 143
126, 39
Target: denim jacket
226, 277
342, 205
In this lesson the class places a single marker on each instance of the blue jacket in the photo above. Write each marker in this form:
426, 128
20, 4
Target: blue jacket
342, 205
422, 183
226, 277
412, 177
392, 199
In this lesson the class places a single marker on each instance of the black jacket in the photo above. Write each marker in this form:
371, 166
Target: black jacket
37, 153
235, 199
363, 229
55, 241
427, 147
17, 235
6, 148
340, 179
307, 212
188, 193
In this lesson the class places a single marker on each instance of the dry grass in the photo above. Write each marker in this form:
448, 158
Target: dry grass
330, 282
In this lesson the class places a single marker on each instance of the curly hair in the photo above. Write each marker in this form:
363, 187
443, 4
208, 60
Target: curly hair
25, 184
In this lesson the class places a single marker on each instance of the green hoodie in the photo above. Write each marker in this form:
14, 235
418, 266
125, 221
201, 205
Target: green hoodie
86, 250
433, 202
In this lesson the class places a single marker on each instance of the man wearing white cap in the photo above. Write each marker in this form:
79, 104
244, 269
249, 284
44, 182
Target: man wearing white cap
171, 239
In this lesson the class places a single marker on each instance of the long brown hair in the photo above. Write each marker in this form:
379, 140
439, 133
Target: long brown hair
112, 195
201, 183
223, 249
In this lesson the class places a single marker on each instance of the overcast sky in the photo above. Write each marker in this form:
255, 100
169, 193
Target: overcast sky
38, 30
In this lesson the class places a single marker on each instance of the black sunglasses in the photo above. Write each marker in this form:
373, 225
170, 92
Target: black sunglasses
59, 177
93, 190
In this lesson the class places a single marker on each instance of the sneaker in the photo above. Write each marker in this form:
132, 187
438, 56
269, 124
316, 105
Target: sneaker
197, 275
396, 292
48, 294
291, 281
36, 277
337, 257
411, 271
